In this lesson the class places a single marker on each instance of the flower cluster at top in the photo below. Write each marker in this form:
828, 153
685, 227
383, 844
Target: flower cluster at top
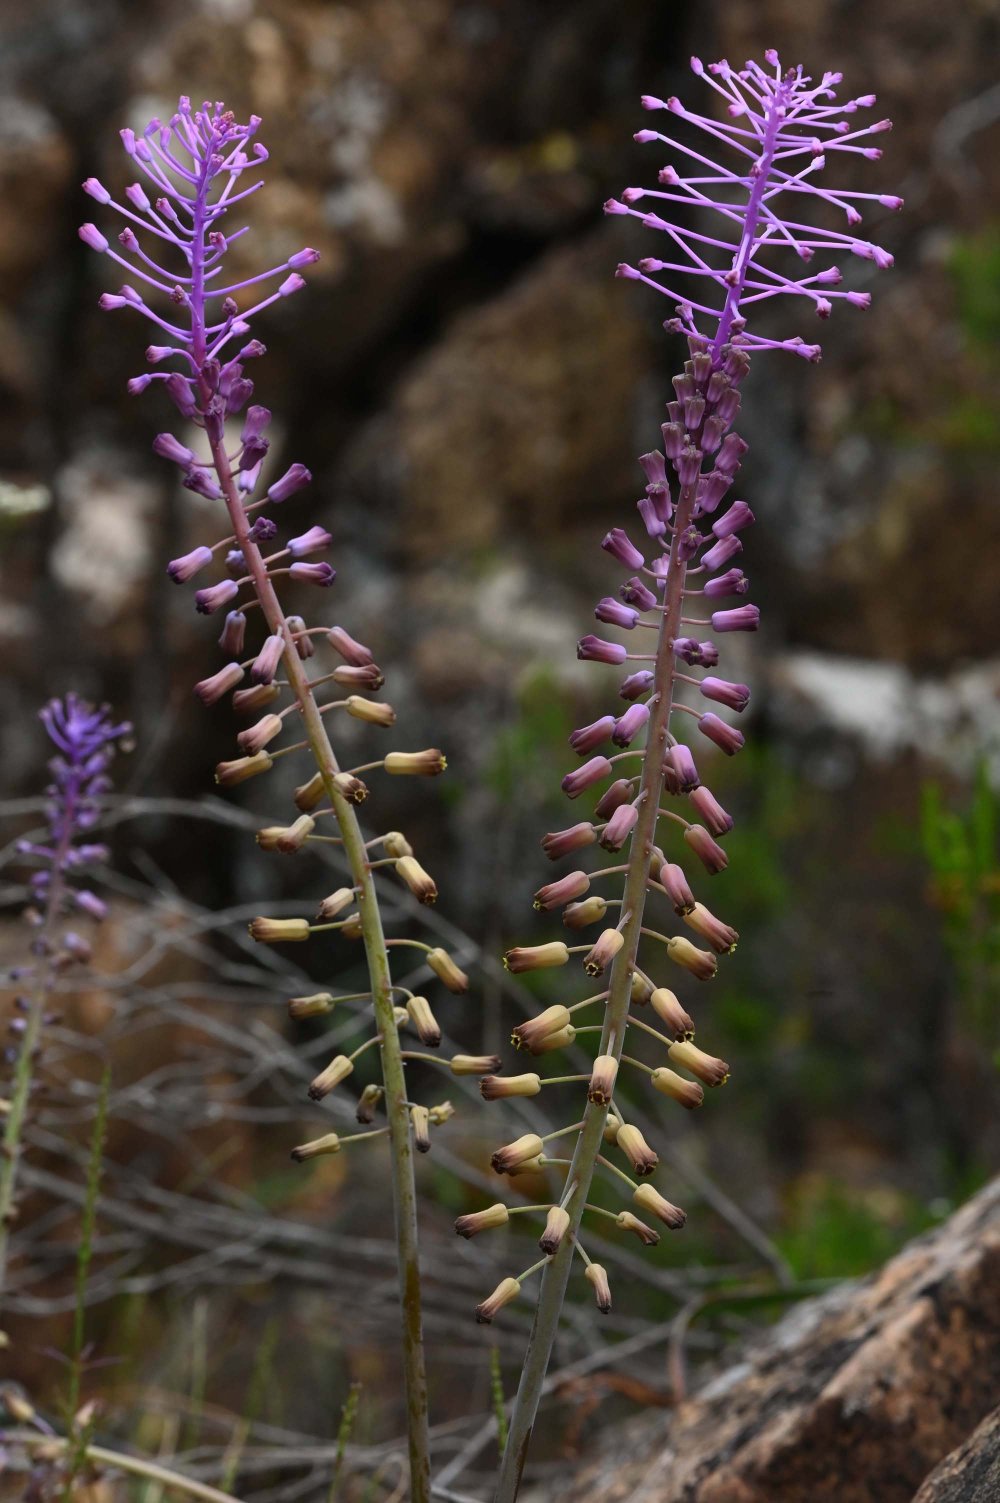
686, 588
780, 131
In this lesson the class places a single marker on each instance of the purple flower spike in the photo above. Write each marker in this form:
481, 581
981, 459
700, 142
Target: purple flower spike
743, 618
726, 737
589, 737
613, 613
596, 650
735, 696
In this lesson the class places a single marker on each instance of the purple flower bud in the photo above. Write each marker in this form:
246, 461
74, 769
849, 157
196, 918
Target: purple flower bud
652, 521
97, 190
637, 683
564, 890
582, 778
729, 456
317, 574
675, 885
711, 489
673, 439
683, 764
136, 196
733, 582
263, 530
596, 650
303, 258
187, 566
727, 737
688, 650
313, 541
238, 396
137, 385
350, 650
613, 613
743, 618
709, 654
179, 392
91, 903
304, 645
295, 478
564, 842
711, 811
634, 592
247, 479
737, 517
256, 420
712, 433
688, 543
233, 634
291, 284
235, 563
709, 853
171, 448
209, 690
252, 453
109, 302
618, 544
721, 552
630, 724
619, 827
199, 480
654, 468
91, 235
216, 596
268, 658
688, 465
589, 737
736, 696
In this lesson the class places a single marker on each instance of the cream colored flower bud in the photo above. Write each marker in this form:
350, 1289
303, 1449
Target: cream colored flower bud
611, 1126
396, 844
530, 1166
369, 710
310, 1007
701, 963
328, 1144
368, 1102
420, 883
249, 701
425, 764
332, 906
505, 1291
602, 1079
652, 1201
228, 774
271, 931
669, 1083
474, 1064
294, 836
352, 927
420, 1122
519, 1152
443, 1112
556, 1227
426, 1025
712, 1071
600, 956
722, 937
641, 990
669, 1010
447, 971
256, 737
496, 1087
310, 795
597, 1277
482, 1221
535, 957
401, 1015
533, 1029
581, 915
635, 1148
337, 1070
267, 837
350, 788
629, 1223
561, 1039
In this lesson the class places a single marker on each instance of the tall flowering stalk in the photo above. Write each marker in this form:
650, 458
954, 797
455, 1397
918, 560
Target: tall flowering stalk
196, 169
685, 583
85, 739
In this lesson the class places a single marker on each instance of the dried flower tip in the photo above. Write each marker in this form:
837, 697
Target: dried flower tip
210, 690
310, 1007
560, 1039
335, 904
370, 676
629, 1223
597, 1276
556, 1227
271, 931
669, 1010
555, 894
189, 564
349, 787
256, 737
228, 774
474, 1064
268, 660
519, 1152
422, 764
669, 1083
337, 1070
420, 1122
527, 1033
618, 793
635, 1148
652, 1201
482, 1221
619, 827
420, 883
447, 971
350, 650
369, 710
563, 842
701, 963
708, 1069
328, 1144
498, 1087
709, 853
581, 915
395, 843
505, 1291
601, 954
419, 1012
640, 990
602, 1080
535, 957
722, 937
309, 795
368, 1102
249, 701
